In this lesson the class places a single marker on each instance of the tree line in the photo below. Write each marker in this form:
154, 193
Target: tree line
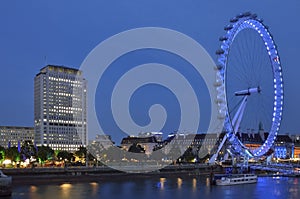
41, 154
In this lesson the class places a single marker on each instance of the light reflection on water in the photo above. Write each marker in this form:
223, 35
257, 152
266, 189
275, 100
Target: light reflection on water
66, 190
161, 183
95, 187
194, 184
179, 182
162, 187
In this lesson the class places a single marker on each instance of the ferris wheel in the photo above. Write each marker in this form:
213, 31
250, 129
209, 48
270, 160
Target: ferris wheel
251, 83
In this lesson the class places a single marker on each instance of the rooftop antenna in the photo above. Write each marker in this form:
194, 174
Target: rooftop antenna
45, 59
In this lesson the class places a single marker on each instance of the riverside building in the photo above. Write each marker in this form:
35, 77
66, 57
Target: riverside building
60, 108
15, 135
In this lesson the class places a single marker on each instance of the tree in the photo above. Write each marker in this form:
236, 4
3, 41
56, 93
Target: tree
92, 158
203, 154
81, 152
2, 152
136, 148
188, 155
44, 153
65, 155
136, 153
12, 153
174, 152
27, 150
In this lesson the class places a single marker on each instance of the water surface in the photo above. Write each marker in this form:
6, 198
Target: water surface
162, 188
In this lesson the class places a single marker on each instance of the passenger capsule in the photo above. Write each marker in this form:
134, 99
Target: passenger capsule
240, 15
220, 51
233, 20
219, 66
223, 38
247, 14
260, 20
229, 27
254, 16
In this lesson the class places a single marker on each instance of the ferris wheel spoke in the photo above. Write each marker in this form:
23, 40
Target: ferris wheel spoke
249, 53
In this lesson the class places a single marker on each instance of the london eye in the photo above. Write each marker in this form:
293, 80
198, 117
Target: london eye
251, 85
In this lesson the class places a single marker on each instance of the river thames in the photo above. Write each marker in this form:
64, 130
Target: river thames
155, 187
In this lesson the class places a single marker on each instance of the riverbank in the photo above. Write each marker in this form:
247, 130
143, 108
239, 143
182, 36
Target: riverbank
36, 176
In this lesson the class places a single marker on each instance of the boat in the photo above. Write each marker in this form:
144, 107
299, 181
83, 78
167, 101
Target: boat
234, 179
5, 184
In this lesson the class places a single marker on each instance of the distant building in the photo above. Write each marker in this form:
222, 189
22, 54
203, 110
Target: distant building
147, 143
157, 135
205, 144
101, 142
202, 144
60, 108
296, 141
99, 145
251, 140
283, 146
13, 135
207, 141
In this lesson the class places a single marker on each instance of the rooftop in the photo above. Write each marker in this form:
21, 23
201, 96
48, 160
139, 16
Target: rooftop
63, 69
59, 67
16, 127
137, 140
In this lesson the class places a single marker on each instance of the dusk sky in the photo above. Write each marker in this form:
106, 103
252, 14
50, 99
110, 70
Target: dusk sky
35, 33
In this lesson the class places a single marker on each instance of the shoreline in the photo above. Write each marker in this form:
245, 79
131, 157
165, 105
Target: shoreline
60, 179
44, 176
38, 176
35, 180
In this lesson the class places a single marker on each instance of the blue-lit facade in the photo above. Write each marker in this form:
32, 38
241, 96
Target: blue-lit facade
239, 23
284, 147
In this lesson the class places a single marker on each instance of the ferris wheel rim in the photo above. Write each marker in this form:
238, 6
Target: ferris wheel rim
239, 23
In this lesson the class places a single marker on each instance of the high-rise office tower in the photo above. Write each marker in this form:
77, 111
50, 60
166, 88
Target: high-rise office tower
60, 108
